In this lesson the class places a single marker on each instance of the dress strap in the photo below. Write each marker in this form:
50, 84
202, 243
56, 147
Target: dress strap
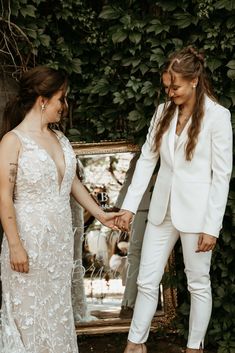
18, 134
23, 139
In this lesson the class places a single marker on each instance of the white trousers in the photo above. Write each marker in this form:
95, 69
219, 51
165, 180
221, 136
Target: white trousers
158, 243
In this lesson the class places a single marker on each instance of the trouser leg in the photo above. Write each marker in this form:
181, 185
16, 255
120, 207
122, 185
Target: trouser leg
157, 245
197, 267
134, 253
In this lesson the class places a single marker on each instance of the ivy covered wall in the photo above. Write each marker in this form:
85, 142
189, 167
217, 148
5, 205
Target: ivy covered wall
114, 51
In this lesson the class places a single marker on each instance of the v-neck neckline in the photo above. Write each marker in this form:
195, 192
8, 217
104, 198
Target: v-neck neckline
50, 157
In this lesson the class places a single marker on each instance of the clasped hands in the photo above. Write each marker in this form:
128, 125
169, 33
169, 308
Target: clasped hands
124, 221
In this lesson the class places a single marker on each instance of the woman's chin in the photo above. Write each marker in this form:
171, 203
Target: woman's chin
177, 101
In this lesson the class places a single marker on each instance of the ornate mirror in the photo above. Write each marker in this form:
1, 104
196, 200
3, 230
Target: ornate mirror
101, 260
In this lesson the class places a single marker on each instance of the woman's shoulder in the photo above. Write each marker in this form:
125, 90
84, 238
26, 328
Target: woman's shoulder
11, 138
10, 144
218, 117
163, 105
215, 106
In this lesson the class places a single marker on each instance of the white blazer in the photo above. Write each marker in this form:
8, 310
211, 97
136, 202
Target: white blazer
197, 189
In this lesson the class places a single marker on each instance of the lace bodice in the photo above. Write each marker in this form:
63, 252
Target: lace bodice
37, 175
37, 312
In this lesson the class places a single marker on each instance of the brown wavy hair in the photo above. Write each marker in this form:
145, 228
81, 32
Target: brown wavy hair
39, 81
190, 65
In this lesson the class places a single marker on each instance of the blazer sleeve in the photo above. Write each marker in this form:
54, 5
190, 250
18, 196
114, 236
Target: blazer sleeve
222, 155
144, 167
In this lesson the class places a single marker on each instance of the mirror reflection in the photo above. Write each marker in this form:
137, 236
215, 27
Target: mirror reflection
107, 261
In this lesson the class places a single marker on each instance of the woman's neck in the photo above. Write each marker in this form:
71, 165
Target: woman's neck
33, 122
186, 109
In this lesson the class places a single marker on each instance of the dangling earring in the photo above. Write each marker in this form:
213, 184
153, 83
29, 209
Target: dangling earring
43, 107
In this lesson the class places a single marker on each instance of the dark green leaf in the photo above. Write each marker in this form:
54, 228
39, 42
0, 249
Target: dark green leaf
109, 13
119, 36
231, 74
231, 64
135, 37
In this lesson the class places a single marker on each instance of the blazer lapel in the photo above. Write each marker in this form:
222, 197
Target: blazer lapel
171, 135
184, 135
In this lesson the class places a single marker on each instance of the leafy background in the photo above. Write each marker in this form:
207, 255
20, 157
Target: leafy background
113, 52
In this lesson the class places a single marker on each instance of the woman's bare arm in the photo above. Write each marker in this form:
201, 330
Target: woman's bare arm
9, 152
83, 197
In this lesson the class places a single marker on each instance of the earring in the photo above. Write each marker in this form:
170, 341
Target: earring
43, 107
194, 86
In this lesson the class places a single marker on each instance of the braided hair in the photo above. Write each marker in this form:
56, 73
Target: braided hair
190, 65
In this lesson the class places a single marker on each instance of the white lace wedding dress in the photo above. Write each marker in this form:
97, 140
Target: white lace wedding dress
37, 314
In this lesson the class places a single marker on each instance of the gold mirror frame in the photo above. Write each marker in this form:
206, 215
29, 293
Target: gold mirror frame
111, 325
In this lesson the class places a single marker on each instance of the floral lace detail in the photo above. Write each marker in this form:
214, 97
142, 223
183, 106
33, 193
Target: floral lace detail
79, 302
37, 314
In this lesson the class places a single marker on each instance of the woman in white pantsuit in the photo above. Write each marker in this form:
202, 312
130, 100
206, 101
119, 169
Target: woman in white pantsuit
192, 135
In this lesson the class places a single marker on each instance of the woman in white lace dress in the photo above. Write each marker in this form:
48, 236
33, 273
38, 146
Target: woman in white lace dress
37, 177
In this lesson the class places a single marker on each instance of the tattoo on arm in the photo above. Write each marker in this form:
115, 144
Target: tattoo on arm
13, 172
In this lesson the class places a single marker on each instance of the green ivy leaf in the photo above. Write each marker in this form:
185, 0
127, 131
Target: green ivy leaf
157, 28
213, 63
231, 64
134, 115
168, 5
158, 58
143, 68
118, 98
127, 61
73, 132
100, 130
76, 65
226, 4
231, 74
141, 124
136, 62
183, 20
45, 40
119, 36
230, 23
178, 43
135, 37
148, 88
29, 10
126, 20
109, 13
117, 57
102, 87
134, 83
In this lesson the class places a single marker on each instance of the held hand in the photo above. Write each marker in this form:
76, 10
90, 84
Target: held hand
109, 219
18, 258
125, 220
206, 242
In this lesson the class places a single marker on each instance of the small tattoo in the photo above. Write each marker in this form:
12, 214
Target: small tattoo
13, 172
